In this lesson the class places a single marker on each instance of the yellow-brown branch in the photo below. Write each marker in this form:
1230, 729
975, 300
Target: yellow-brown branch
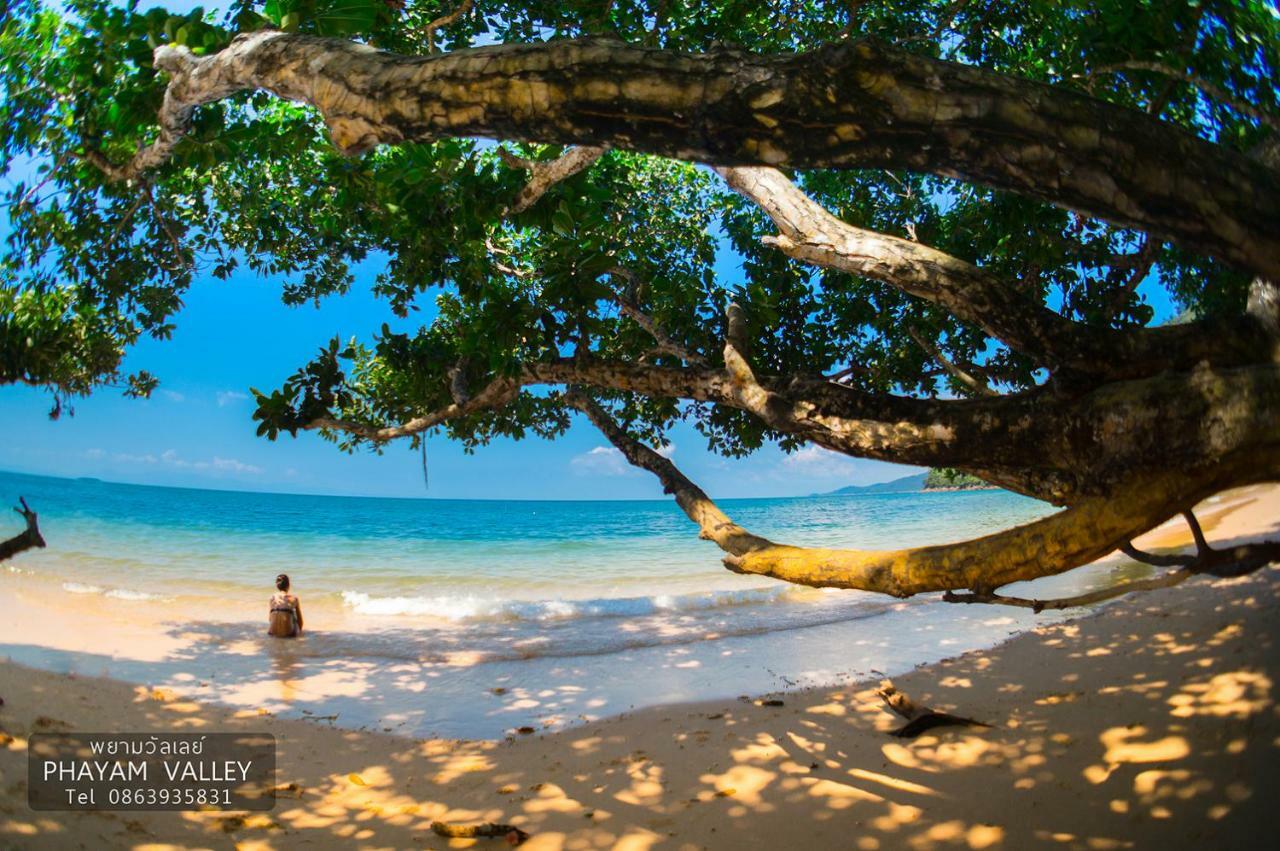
1058, 543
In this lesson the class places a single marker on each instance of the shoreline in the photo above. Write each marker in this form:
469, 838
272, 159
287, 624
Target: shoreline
1087, 750
438, 683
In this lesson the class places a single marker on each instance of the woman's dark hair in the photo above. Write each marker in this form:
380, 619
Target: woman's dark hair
282, 582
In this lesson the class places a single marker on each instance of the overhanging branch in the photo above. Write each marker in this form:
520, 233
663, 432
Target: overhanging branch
713, 524
809, 233
849, 105
1036, 443
1058, 543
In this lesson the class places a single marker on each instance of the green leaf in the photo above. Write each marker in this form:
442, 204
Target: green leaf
277, 9
345, 17
562, 223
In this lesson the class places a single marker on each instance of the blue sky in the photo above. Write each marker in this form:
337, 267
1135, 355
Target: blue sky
197, 430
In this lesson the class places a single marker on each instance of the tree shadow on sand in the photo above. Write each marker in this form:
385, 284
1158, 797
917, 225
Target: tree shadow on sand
1113, 735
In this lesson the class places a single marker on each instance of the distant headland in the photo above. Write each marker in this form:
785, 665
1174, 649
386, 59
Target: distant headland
936, 479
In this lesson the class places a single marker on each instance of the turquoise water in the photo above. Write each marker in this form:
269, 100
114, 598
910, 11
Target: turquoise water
453, 559
416, 608
523, 578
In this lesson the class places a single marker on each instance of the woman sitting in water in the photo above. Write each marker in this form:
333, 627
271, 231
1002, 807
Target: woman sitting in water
286, 611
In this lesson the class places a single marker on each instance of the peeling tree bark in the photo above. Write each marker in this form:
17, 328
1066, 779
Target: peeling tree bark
850, 105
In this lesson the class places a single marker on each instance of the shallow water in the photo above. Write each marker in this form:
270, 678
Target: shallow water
403, 594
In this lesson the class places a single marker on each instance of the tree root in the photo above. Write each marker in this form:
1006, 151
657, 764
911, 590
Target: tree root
919, 718
30, 538
488, 830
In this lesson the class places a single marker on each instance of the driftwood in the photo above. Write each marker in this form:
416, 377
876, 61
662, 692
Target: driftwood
919, 718
26, 540
488, 830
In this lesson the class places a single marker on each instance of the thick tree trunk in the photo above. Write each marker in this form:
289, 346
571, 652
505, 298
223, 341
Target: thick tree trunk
1074, 537
852, 105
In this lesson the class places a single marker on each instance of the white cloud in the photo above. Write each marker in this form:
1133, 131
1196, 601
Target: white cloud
667, 451
601, 461
173, 396
813, 460
234, 466
230, 397
170, 458
134, 460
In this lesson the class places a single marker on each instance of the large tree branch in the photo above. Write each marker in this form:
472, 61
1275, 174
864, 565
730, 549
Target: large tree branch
1037, 443
1053, 545
850, 105
29, 538
1076, 536
808, 232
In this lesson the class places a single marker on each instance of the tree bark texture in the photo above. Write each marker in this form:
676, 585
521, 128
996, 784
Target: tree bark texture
857, 104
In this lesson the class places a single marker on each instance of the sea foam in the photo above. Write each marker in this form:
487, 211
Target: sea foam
114, 593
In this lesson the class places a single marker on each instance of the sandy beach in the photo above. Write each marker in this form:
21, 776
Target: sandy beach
1152, 721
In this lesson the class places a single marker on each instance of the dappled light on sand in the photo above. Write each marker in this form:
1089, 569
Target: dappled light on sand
1152, 724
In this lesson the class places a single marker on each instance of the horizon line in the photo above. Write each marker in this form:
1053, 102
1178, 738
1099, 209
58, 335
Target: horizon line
98, 480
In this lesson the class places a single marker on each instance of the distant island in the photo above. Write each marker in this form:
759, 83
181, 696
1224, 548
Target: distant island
951, 479
937, 479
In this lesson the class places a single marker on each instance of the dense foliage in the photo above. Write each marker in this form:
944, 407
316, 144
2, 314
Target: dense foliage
940, 478
92, 264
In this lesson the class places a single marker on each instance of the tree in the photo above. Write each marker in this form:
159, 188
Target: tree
950, 477
946, 213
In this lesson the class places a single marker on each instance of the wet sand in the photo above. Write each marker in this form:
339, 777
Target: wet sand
1151, 722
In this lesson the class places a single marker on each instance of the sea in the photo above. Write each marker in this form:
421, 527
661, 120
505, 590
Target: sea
611, 605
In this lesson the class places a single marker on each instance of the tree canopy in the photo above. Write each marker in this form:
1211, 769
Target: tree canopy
946, 215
